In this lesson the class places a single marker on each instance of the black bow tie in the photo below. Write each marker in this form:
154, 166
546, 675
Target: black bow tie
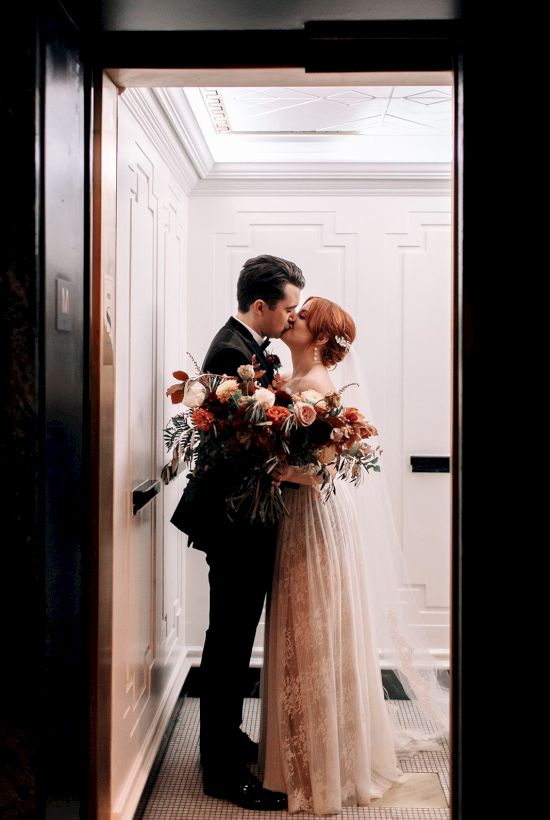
265, 344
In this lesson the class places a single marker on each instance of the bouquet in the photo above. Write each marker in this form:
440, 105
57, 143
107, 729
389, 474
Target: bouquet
232, 424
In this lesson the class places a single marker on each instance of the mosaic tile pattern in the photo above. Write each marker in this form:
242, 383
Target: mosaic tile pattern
174, 790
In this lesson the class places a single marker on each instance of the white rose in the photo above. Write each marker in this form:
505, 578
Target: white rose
195, 393
264, 397
312, 396
246, 372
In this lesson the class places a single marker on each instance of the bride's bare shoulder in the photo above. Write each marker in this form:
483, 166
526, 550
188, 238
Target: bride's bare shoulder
321, 383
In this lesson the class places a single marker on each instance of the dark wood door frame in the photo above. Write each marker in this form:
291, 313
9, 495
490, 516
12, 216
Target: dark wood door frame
154, 58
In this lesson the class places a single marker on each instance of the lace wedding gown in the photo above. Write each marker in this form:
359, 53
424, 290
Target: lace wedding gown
326, 735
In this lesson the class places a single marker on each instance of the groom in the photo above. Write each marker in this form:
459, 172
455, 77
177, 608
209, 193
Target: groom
240, 556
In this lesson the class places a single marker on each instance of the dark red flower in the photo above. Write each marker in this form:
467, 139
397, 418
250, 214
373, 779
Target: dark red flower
202, 419
282, 398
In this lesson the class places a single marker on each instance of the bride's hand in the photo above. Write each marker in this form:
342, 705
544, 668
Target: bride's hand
281, 473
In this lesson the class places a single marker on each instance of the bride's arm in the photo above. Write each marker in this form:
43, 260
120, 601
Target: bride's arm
298, 476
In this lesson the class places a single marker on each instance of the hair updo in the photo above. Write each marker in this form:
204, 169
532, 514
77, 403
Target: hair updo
326, 318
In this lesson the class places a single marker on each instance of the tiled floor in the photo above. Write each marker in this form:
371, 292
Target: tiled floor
176, 793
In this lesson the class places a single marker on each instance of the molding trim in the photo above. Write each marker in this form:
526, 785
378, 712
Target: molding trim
179, 115
177, 137
320, 186
131, 794
278, 178
380, 171
152, 117
168, 120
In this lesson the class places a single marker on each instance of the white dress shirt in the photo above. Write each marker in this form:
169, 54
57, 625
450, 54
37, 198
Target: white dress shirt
257, 337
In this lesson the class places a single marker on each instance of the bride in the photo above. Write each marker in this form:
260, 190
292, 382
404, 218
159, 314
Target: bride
327, 736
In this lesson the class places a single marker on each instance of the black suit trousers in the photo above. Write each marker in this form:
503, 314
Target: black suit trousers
240, 574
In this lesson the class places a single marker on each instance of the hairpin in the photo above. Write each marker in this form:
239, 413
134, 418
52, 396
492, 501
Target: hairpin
345, 343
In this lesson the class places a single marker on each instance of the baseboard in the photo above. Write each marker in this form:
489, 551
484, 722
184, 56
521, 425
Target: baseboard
130, 797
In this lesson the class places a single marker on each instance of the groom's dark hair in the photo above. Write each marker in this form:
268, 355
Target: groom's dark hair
265, 277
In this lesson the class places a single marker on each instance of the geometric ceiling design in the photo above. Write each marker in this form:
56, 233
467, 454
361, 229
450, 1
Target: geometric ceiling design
386, 110
325, 124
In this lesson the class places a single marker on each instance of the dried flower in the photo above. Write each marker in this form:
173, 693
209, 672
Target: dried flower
246, 372
227, 389
333, 400
176, 391
326, 454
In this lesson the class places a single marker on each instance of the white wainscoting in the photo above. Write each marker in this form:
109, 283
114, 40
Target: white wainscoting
150, 658
386, 259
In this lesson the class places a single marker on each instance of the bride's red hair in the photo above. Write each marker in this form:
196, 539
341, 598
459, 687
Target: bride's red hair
326, 318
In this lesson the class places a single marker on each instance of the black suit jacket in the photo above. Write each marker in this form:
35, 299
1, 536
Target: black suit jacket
201, 511
232, 346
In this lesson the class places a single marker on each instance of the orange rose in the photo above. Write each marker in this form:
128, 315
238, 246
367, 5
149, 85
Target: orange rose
277, 415
362, 428
202, 419
352, 414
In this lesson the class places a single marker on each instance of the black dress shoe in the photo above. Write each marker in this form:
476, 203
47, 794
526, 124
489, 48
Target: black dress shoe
246, 792
248, 748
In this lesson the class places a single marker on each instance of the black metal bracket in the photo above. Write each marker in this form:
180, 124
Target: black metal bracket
431, 464
144, 493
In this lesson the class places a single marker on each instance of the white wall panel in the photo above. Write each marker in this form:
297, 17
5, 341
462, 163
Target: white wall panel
387, 260
149, 651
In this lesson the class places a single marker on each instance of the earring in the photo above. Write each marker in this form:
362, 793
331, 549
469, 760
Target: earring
316, 358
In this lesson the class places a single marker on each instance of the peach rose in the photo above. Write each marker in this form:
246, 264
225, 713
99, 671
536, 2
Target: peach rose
305, 413
226, 389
